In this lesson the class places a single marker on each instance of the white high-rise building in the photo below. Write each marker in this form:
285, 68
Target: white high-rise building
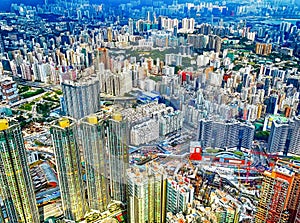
116, 84
278, 137
285, 137
144, 132
188, 25
223, 134
179, 194
130, 26
294, 146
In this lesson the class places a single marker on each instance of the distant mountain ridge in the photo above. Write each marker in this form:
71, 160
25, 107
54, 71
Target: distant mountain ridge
5, 4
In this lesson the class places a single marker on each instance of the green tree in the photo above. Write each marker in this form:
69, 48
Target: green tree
261, 135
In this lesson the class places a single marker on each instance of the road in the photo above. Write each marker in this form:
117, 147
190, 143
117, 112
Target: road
26, 100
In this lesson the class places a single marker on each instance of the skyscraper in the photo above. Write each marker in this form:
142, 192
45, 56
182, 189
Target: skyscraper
15, 182
117, 140
285, 136
280, 194
146, 194
272, 104
278, 137
81, 97
95, 157
109, 34
263, 48
294, 142
9, 90
67, 155
130, 26
223, 134
179, 194
188, 25
104, 140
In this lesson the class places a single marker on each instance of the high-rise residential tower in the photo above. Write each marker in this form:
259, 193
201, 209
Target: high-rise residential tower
285, 136
95, 156
81, 97
130, 26
263, 48
15, 182
278, 137
117, 141
280, 194
179, 194
104, 139
147, 188
68, 160
225, 134
294, 140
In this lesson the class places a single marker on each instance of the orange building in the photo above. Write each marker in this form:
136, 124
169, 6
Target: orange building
263, 48
280, 194
103, 57
259, 111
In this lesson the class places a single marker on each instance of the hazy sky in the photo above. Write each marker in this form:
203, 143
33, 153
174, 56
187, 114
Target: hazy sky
5, 4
